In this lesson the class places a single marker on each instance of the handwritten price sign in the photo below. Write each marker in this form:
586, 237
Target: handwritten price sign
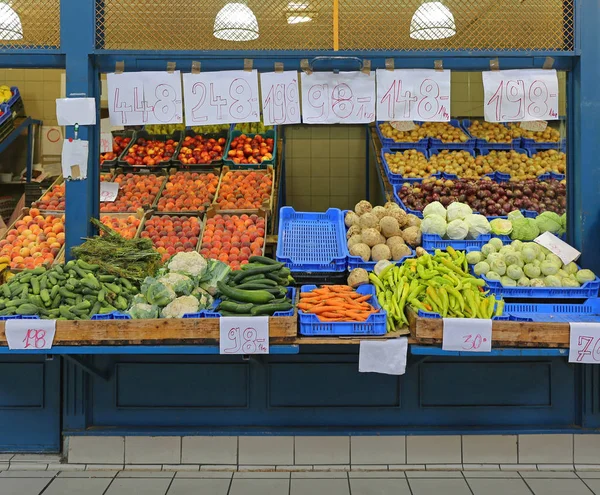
239, 335
109, 191
140, 98
106, 142
280, 98
418, 94
467, 335
517, 95
584, 346
344, 98
226, 97
30, 334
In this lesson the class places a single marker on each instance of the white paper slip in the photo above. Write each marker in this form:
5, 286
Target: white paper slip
30, 334
383, 356
244, 335
71, 111
467, 335
109, 191
74, 159
403, 125
105, 142
564, 251
584, 343
280, 97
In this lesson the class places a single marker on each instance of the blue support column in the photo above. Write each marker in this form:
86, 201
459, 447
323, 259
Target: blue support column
77, 41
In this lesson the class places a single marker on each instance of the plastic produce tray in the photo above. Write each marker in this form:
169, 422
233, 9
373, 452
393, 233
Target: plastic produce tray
588, 311
215, 163
438, 143
445, 175
17, 107
115, 315
375, 324
433, 241
259, 166
399, 145
501, 176
312, 242
395, 178
535, 145
432, 314
107, 164
19, 317
176, 136
6, 122
484, 143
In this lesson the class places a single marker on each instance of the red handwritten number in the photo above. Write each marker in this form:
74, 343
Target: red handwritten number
165, 107
201, 89
121, 107
586, 342
140, 105
498, 97
429, 105
247, 342
275, 103
538, 95
291, 95
472, 342
35, 338
217, 101
341, 99
395, 96
249, 346
318, 97
241, 92
515, 93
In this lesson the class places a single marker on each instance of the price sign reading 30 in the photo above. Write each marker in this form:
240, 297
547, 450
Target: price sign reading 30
520, 95
418, 94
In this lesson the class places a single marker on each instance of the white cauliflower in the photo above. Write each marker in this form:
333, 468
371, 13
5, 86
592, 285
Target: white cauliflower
180, 306
191, 264
181, 284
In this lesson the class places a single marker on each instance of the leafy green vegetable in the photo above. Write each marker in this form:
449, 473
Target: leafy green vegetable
524, 229
549, 221
216, 271
501, 226
141, 311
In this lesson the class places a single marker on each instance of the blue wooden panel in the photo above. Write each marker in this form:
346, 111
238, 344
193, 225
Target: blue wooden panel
470, 384
21, 385
330, 385
176, 385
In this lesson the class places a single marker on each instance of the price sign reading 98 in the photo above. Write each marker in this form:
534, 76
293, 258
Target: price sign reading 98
280, 97
344, 98
418, 94
520, 95
140, 98
244, 335
226, 97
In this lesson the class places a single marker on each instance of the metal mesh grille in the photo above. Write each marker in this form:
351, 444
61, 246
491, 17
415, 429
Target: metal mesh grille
29, 24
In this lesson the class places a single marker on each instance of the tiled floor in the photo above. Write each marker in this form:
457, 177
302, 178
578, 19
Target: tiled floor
298, 483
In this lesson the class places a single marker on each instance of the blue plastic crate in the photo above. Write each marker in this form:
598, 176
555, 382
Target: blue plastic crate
586, 312
402, 205
394, 178
375, 324
501, 176
483, 143
312, 242
532, 144
447, 176
438, 143
17, 107
19, 317
115, 315
399, 145
434, 241
213, 313
432, 314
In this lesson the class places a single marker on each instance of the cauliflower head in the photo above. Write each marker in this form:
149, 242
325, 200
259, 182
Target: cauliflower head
180, 306
180, 284
191, 264
143, 311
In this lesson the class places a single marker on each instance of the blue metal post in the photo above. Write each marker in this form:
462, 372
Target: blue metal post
77, 41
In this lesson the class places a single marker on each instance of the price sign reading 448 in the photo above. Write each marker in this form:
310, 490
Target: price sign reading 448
418, 94
520, 95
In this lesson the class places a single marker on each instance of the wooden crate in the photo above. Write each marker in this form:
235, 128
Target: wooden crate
267, 204
195, 213
141, 214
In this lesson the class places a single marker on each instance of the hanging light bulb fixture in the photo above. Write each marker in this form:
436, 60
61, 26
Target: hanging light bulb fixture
10, 23
298, 13
236, 22
432, 21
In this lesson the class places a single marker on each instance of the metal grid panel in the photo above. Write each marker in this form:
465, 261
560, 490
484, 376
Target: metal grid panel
481, 25
188, 25
36, 24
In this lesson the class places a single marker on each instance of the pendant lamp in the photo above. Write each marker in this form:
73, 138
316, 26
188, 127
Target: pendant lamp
236, 22
10, 23
432, 21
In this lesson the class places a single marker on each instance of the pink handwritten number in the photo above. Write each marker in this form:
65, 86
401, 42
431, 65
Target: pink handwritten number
140, 105
515, 93
247, 342
395, 96
121, 106
428, 105
275, 104
471, 342
165, 107
35, 339
217, 101
585, 341
538, 95
241, 93
200, 89
341, 99
291, 95
318, 98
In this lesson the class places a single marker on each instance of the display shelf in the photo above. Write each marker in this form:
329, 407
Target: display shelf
421, 350
140, 349
385, 184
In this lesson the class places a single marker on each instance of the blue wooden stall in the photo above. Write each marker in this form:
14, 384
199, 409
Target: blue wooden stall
301, 389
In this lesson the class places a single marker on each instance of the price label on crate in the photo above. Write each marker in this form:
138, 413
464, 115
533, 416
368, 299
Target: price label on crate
518, 95
584, 343
30, 334
140, 98
106, 142
225, 97
344, 98
280, 98
109, 191
413, 94
244, 335
467, 335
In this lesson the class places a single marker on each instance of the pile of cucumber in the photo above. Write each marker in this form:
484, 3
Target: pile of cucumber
259, 289
75, 291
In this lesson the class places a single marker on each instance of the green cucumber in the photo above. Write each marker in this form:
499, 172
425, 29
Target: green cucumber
233, 307
251, 296
241, 275
263, 260
27, 309
269, 309
229, 313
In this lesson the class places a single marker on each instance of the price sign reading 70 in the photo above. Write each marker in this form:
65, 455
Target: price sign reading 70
418, 94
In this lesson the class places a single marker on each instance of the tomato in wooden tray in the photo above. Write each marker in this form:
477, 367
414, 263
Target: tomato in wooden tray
150, 152
198, 150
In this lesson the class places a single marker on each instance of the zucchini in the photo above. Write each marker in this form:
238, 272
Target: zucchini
262, 260
269, 309
233, 307
241, 275
251, 296
257, 285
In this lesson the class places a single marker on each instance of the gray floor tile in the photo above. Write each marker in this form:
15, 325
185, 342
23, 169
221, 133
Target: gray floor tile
146, 474
224, 475
206, 486
28, 474
558, 487
379, 487
261, 475
259, 487
588, 474
434, 474
439, 487
321, 474
87, 474
77, 486
20, 486
491, 474
481, 486
377, 474
138, 486
548, 474
593, 485
319, 487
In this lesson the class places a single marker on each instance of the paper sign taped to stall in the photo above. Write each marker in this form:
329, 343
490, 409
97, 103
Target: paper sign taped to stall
534, 125
30, 334
383, 356
71, 111
280, 97
584, 343
560, 248
74, 159
244, 335
109, 191
467, 335
105, 142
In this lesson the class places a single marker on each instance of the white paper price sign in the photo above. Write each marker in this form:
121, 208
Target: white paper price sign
467, 335
584, 343
106, 142
413, 94
517, 95
30, 334
225, 97
244, 335
280, 98
344, 98
560, 248
109, 191
139, 98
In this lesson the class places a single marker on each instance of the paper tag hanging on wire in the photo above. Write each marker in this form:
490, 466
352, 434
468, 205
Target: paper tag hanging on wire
109, 191
71, 111
280, 97
383, 356
467, 335
534, 125
74, 159
560, 248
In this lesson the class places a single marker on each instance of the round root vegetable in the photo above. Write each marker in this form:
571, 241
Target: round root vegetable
351, 219
389, 226
380, 212
355, 239
358, 277
369, 221
399, 251
370, 237
413, 221
395, 241
354, 229
381, 252
361, 250
363, 207
412, 236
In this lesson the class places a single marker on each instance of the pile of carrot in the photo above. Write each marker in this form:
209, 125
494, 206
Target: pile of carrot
336, 303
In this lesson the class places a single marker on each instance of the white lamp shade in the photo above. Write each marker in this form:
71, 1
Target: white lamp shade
10, 24
298, 18
432, 21
236, 22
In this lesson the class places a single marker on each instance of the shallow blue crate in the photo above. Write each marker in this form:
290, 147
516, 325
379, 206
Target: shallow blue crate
432, 314
587, 290
202, 314
434, 241
501, 176
438, 143
375, 324
259, 166
586, 312
534, 145
19, 317
399, 145
213, 313
394, 178
483, 143
115, 315
312, 242
17, 107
